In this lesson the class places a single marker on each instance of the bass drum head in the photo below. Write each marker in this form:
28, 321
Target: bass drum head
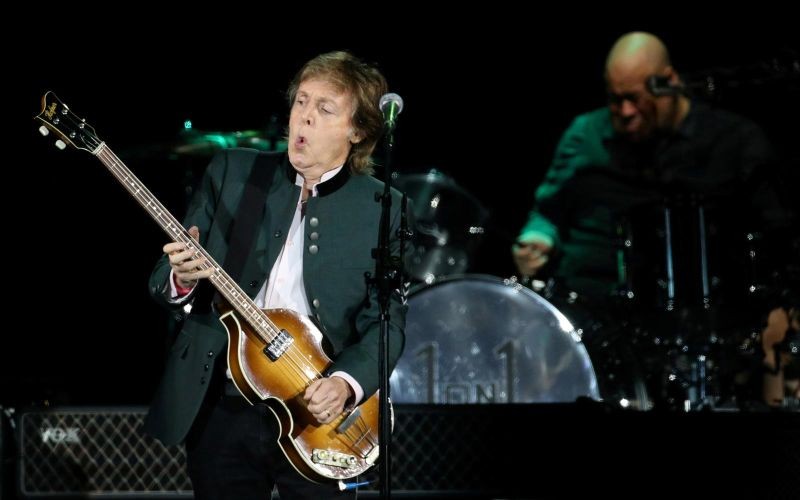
479, 339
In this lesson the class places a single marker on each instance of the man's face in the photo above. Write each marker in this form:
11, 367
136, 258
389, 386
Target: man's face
635, 113
320, 128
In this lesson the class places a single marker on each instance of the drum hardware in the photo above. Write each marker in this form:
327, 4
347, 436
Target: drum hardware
686, 252
689, 276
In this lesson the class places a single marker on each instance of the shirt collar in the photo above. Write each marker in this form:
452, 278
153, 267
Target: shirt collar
334, 179
299, 181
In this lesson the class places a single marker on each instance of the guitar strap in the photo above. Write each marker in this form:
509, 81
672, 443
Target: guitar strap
250, 214
246, 224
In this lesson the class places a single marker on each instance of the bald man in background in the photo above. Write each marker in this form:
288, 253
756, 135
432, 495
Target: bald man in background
616, 168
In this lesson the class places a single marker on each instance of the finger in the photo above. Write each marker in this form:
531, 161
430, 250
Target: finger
521, 250
192, 265
191, 278
327, 416
318, 409
324, 398
321, 398
177, 246
201, 274
311, 390
176, 258
541, 260
171, 248
538, 263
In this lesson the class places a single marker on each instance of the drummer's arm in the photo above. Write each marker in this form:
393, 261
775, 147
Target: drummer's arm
540, 236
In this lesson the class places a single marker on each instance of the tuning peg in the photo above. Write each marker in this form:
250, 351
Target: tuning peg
61, 144
44, 131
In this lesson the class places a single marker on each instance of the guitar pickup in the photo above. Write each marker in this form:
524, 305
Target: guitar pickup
333, 458
279, 345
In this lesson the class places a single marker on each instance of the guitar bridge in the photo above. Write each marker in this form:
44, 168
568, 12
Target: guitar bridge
333, 458
279, 345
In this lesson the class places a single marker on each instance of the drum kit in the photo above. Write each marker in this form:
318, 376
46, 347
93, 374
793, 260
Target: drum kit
679, 333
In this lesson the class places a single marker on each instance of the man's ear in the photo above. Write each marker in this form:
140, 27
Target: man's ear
354, 136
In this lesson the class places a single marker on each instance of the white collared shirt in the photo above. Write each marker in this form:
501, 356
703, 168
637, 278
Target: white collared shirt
285, 288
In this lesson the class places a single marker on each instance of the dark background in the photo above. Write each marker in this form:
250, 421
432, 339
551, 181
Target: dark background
485, 102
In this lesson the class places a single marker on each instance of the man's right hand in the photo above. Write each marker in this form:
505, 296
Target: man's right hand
530, 256
186, 268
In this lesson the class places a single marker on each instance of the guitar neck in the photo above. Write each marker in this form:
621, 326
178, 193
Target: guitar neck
73, 130
226, 285
154, 208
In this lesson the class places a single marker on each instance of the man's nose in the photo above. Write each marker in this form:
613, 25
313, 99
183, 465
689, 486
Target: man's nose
627, 108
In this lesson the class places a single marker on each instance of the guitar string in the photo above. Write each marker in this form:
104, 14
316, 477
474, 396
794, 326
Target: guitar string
364, 432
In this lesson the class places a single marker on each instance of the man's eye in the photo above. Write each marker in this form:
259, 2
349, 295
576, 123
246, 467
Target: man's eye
619, 98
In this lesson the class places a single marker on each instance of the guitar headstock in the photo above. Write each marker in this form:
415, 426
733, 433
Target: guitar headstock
72, 130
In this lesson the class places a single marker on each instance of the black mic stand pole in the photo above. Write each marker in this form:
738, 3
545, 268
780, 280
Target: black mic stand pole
388, 278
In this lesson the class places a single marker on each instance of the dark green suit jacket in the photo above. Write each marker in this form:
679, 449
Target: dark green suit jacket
345, 217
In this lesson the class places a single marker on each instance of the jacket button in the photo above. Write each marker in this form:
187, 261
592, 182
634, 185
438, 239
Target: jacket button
253, 284
210, 354
313, 222
315, 302
205, 368
202, 381
278, 233
314, 236
313, 249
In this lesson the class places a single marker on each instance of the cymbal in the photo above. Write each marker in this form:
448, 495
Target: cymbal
198, 143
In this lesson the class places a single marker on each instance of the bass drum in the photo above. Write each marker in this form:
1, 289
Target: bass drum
479, 339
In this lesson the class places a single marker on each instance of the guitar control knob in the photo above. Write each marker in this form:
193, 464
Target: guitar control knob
61, 144
44, 131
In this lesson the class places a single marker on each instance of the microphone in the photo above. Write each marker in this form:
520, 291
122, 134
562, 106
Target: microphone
391, 105
660, 86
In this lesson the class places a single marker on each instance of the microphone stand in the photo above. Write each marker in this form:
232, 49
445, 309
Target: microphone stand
389, 276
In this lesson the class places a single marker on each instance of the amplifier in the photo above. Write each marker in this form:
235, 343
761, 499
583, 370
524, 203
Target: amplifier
458, 451
97, 453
